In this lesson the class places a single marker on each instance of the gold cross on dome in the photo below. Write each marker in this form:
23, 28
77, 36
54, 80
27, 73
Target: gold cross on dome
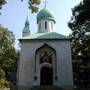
46, 3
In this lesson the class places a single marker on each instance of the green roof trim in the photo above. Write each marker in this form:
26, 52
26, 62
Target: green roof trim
47, 35
45, 14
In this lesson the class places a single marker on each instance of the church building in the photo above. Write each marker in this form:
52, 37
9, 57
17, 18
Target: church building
45, 58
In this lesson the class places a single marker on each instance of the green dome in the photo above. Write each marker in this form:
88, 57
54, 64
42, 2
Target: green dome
45, 14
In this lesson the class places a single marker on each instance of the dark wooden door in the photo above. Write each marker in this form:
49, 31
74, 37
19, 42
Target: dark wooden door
46, 76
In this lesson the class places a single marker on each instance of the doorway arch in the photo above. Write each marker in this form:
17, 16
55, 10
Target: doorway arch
46, 76
45, 56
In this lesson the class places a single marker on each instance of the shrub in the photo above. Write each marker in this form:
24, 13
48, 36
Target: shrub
2, 74
4, 83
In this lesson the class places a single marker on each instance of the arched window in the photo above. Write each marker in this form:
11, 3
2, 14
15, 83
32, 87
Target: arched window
51, 25
45, 24
39, 26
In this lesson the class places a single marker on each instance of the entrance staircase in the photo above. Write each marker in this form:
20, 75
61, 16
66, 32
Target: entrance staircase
46, 88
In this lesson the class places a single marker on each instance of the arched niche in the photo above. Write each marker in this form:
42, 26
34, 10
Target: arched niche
45, 56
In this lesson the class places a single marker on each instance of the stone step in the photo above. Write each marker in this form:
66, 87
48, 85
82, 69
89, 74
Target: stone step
46, 88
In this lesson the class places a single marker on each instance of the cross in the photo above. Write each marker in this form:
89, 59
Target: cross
46, 3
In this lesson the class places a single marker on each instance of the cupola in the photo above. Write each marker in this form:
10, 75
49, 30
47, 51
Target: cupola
26, 30
45, 21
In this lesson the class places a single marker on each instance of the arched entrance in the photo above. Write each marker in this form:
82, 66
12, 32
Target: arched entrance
46, 76
45, 65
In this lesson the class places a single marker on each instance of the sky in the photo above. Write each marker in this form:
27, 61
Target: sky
15, 12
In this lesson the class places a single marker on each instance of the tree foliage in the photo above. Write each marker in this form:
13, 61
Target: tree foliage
2, 74
8, 55
33, 4
80, 26
2, 2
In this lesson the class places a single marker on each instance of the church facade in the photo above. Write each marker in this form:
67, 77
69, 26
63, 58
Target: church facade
45, 56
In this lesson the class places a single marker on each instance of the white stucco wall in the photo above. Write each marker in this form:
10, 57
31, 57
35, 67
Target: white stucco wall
50, 27
27, 61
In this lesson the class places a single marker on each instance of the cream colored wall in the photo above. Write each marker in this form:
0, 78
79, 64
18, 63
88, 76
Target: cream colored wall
49, 26
27, 61
64, 64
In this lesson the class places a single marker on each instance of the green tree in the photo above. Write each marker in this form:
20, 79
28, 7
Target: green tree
8, 55
2, 2
2, 74
33, 4
80, 26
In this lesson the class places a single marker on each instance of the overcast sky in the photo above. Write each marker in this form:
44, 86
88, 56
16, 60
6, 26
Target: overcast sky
14, 14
